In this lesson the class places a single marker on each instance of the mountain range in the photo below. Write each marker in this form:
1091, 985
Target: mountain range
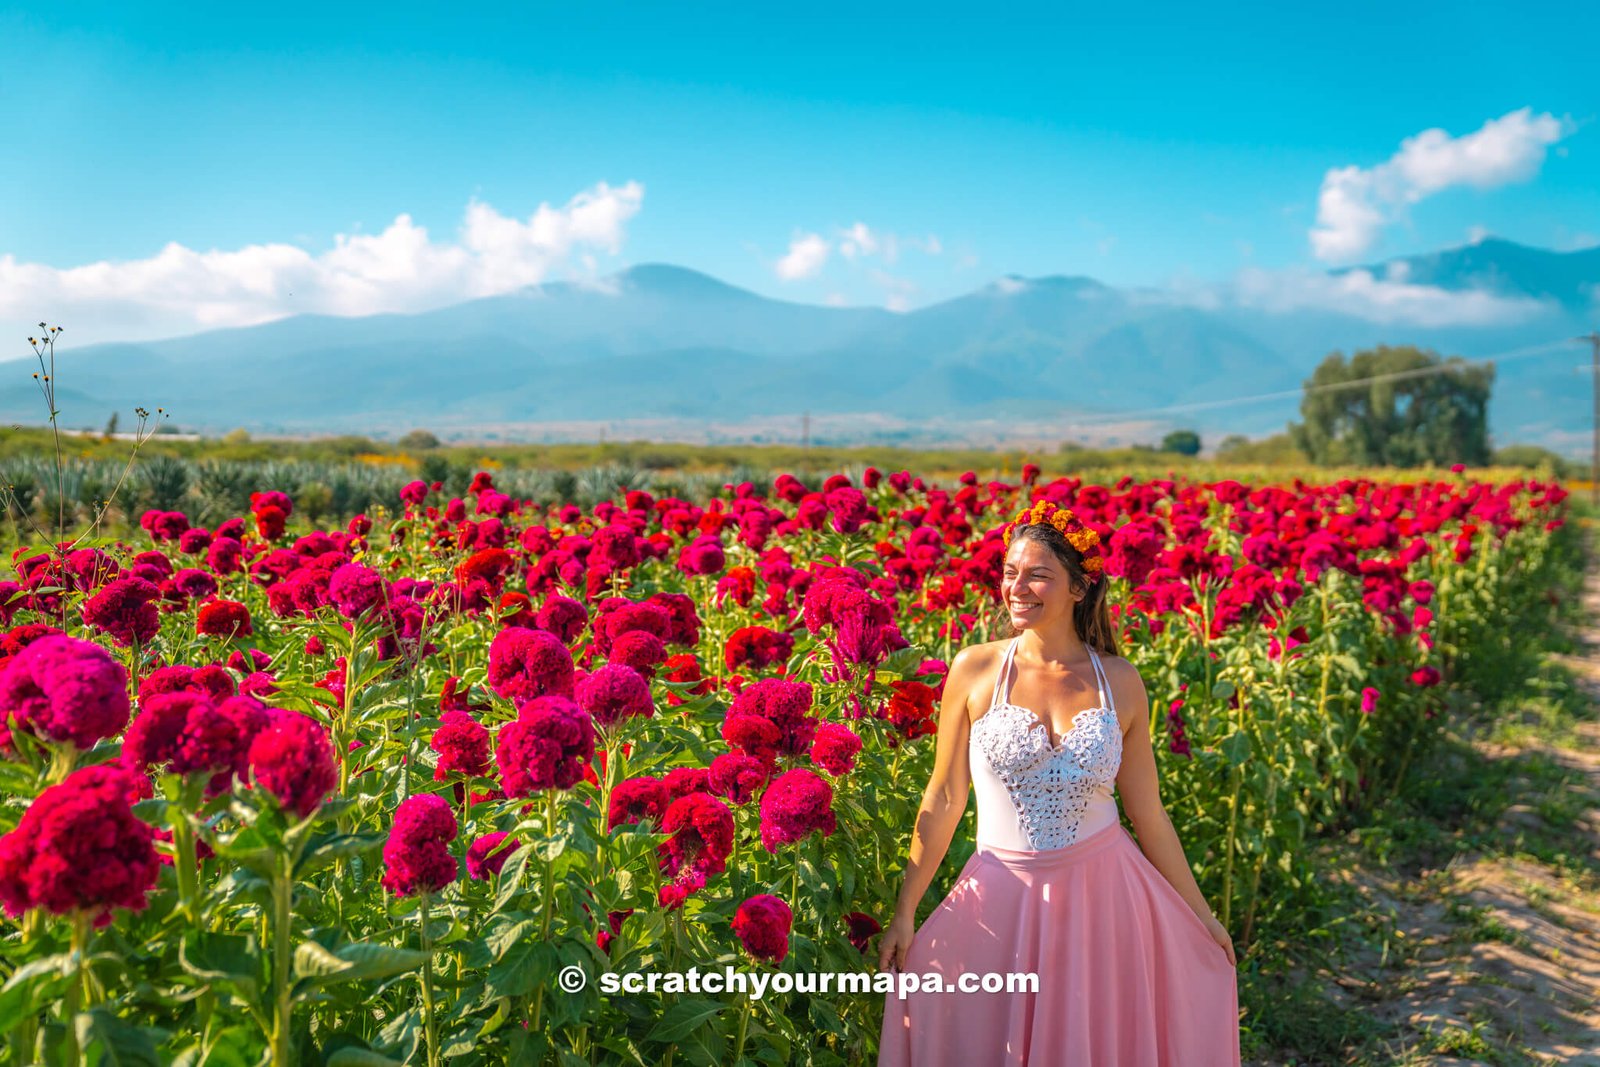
658, 351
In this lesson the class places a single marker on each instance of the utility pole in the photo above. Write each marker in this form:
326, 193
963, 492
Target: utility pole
1593, 337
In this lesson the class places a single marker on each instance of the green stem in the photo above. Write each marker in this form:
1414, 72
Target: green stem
546, 902
431, 1026
75, 999
744, 1022
282, 891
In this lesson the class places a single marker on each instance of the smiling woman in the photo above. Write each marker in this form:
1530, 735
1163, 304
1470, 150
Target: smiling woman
1132, 968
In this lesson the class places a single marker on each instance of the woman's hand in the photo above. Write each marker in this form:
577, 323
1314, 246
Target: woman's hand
1219, 934
895, 942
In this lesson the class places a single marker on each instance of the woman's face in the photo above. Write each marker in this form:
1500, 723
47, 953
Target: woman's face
1034, 585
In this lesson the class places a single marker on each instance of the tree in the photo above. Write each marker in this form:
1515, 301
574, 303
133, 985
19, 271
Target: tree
111, 426
1186, 442
419, 441
1397, 406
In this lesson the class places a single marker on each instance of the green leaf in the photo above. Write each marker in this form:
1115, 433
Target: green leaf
329, 850
360, 1057
118, 1043
317, 967
31, 987
684, 1017
1236, 746
222, 958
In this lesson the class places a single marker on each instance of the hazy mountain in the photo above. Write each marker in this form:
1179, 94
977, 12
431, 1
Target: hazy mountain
1044, 357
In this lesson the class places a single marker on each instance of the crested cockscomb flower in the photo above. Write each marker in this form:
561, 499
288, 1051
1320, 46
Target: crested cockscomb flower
796, 802
614, 693
417, 855
123, 609
834, 748
65, 690
487, 854
739, 776
463, 746
634, 799
699, 830
762, 925
292, 759
223, 618
547, 746
525, 664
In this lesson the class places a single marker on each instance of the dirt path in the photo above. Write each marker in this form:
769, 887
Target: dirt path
1477, 934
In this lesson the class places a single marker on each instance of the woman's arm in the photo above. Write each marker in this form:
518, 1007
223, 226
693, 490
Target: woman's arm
944, 801
1139, 787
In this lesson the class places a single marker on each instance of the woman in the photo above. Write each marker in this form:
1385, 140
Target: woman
1132, 968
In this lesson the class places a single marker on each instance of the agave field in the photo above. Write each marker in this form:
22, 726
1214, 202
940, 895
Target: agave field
377, 794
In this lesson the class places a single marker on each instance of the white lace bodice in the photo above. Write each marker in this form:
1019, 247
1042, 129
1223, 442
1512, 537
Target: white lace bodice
1033, 795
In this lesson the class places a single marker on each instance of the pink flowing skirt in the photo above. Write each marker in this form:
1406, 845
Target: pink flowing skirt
1128, 976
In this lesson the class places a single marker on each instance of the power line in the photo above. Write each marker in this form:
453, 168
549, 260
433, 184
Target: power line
1502, 357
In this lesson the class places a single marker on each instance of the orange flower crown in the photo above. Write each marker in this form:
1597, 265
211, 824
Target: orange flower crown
1081, 537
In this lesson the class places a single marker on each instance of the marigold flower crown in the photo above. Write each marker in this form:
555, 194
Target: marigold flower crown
1080, 536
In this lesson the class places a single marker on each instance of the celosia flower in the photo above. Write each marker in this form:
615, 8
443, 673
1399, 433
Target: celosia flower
356, 590
700, 836
223, 618
762, 926
681, 781
488, 854
862, 929
524, 664
834, 748
183, 732
785, 704
615, 692
293, 760
65, 690
562, 616
417, 855
463, 746
795, 803
79, 847
634, 799
123, 609
547, 746
739, 776
640, 650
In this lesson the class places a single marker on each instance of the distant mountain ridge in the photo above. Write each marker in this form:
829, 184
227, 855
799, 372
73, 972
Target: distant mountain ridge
663, 350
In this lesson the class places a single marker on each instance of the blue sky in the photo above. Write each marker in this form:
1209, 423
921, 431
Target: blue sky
1154, 145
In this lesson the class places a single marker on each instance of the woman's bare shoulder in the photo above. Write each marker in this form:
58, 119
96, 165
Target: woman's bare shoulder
1127, 687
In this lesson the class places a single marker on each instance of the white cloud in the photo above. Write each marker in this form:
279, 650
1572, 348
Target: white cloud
1392, 299
807, 253
180, 290
858, 240
1355, 204
1477, 234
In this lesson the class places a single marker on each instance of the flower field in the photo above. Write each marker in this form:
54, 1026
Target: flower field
279, 794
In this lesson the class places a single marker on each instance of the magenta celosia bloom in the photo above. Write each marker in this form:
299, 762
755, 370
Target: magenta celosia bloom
753, 735
80, 847
356, 590
66, 690
834, 748
123, 609
488, 854
739, 776
463, 746
681, 781
862, 929
183, 732
210, 680
634, 799
640, 650
417, 855
562, 616
762, 926
293, 760
684, 625
525, 664
704, 555
615, 692
547, 746
785, 704
223, 618
797, 802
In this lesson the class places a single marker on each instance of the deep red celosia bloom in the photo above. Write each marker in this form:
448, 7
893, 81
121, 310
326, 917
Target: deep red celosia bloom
547, 746
640, 650
293, 760
488, 854
796, 802
862, 929
634, 799
739, 776
614, 921
757, 647
834, 748
463, 746
762, 926
700, 837
754, 735
525, 664
910, 710
615, 692
123, 609
65, 690
683, 626
417, 855
270, 522
356, 590
185, 733
681, 781
562, 616
223, 618
80, 847
784, 703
